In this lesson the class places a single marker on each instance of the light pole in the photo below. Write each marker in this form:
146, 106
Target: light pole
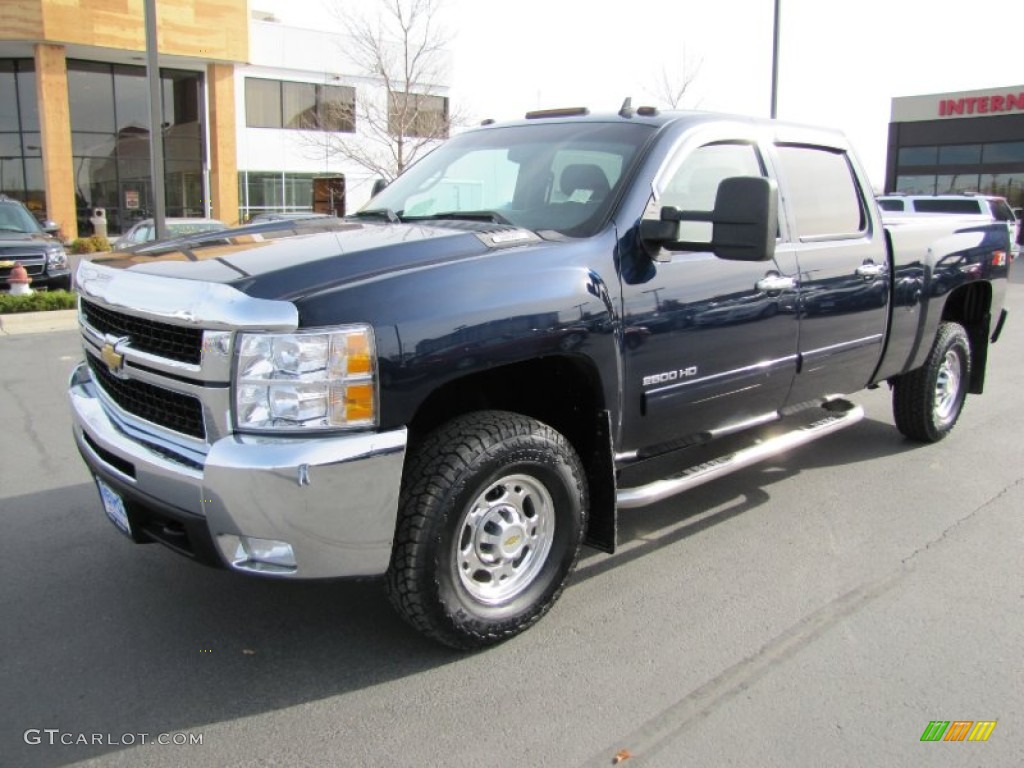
775, 61
156, 119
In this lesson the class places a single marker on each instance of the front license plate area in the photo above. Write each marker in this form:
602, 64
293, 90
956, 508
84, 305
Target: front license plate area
113, 505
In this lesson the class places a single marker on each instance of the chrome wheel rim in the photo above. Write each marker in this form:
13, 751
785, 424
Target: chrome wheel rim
947, 387
504, 538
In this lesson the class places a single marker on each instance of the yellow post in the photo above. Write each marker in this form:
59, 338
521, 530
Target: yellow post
223, 150
55, 127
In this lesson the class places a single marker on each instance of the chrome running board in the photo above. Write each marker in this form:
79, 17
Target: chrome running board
847, 415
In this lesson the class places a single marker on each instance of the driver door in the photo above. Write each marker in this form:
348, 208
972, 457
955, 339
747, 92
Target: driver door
711, 344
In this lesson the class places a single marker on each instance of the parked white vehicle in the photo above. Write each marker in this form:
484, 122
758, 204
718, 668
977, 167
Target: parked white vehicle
989, 206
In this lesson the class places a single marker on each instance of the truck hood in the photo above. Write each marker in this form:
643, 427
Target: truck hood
290, 263
24, 242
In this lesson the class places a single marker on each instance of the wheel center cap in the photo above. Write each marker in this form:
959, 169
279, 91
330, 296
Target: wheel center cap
513, 539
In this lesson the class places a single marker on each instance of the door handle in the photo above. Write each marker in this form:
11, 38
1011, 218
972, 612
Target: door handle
870, 269
775, 283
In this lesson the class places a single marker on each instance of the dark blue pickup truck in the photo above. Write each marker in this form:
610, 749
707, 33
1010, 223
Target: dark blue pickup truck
537, 325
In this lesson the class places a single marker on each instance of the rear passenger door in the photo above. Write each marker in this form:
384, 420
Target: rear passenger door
843, 270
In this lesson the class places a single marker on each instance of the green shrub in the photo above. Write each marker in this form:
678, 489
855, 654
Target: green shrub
40, 301
83, 245
94, 244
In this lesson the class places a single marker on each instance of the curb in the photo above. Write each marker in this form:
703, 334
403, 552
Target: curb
19, 323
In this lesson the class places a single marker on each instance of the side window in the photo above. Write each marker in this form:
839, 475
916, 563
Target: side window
1000, 210
822, 192
695, 182
890, 205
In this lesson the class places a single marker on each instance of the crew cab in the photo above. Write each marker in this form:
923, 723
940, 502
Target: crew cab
539, 324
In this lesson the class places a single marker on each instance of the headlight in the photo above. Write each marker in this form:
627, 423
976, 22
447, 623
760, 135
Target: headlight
56, 257
309, 380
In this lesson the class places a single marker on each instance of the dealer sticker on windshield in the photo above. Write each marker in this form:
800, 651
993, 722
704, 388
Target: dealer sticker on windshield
113, 505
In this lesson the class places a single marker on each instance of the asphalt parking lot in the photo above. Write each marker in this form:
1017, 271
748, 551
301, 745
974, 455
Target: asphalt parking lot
820, 609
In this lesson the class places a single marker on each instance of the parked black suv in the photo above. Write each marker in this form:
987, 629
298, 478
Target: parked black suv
23, 240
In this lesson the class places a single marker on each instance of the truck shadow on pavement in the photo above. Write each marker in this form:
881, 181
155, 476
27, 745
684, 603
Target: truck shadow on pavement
648, 529
102, 636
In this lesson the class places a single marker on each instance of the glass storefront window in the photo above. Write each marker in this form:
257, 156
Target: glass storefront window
918, 155
299, 103
12, 176
960, 154
915, 185
181, 95
298, 191
1008, 185
32, 143
10, 145
1003, 152
35, 190
111, 150
8, 98
262, 103
337, 109
18, 114
91, 96
268, 191
131, 94
27, 96
92, 144
952, 184
109, 113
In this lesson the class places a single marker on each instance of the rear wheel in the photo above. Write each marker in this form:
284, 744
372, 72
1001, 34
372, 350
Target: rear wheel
928, 401
491, 518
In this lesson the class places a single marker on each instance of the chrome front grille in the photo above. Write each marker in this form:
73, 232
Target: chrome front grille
171, 410
173, 342
159, 350
33, 264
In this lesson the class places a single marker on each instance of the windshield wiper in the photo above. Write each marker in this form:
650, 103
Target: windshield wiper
379, 213
492, 216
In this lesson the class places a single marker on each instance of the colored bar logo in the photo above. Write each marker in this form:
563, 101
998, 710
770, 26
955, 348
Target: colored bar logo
958, 730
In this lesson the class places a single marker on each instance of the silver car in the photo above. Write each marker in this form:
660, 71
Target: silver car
145, 231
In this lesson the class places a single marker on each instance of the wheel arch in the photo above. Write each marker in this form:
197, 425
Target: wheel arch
971, 306
564, 392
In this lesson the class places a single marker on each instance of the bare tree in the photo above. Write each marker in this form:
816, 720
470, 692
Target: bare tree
672, 84
400, 45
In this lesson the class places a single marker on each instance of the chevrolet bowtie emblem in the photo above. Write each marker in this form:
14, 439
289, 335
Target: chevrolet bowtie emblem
5, 264
113, 358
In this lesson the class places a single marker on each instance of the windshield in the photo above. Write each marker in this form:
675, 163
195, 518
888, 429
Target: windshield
559, 177
14, 218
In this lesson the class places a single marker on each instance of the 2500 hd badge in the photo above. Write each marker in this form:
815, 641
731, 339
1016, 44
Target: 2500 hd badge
667, 376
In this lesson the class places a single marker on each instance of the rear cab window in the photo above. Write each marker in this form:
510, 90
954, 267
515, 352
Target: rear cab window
823, 196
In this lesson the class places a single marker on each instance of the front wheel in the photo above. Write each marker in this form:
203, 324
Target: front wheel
491, 519
927, 402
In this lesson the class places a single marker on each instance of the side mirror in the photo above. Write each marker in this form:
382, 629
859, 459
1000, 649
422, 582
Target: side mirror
744, 222
51, 227
378, 187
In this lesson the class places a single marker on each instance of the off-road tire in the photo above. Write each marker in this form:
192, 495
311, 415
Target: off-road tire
450, 506
927, 402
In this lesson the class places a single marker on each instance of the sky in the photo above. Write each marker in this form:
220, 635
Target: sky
841, 62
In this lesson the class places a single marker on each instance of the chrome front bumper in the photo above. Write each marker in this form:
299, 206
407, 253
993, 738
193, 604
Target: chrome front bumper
334, 500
